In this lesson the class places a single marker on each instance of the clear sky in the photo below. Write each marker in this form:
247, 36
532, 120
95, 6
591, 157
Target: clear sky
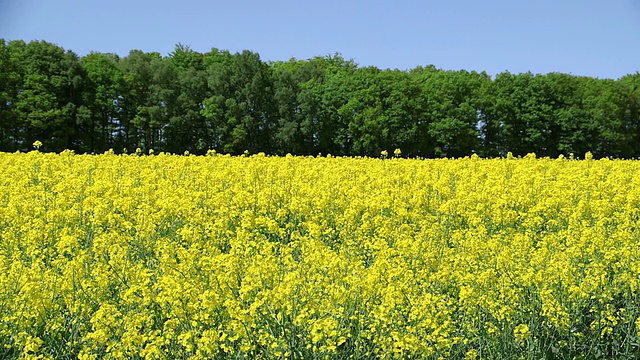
599, 38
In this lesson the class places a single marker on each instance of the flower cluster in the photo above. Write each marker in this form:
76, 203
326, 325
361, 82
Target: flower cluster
167, 256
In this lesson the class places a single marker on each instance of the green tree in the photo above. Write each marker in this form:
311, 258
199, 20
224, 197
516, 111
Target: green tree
453, 111
104, 91
383, 113
520, 114
188, 128
146, 100
11, 130
576, 122
367, 122
183, 57
331, 95
628, 100
236, 102
296, 106
240, 109
403, 108
49, 101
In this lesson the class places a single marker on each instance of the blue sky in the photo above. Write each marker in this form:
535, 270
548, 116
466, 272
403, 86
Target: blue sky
583, 37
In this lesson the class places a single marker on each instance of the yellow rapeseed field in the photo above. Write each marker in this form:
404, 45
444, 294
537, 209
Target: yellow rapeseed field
165, 256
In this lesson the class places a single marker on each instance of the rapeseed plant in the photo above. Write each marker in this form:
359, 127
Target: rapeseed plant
166, 256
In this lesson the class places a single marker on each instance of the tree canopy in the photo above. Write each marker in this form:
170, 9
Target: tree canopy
188, 101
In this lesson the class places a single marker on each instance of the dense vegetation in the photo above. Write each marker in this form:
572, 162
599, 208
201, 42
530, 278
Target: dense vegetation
264, 257
236, 102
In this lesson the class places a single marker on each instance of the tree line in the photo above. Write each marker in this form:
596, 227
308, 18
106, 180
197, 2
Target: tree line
190, 101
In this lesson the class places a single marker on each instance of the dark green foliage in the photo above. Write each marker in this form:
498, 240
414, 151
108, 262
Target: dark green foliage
103, 99
43, 96
240, 110
226, 102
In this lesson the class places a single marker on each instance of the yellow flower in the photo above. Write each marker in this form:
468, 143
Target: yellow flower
588, 155
263, 256
521, 333
471, 355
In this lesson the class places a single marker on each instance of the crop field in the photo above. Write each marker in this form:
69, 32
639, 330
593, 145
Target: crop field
173, 256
